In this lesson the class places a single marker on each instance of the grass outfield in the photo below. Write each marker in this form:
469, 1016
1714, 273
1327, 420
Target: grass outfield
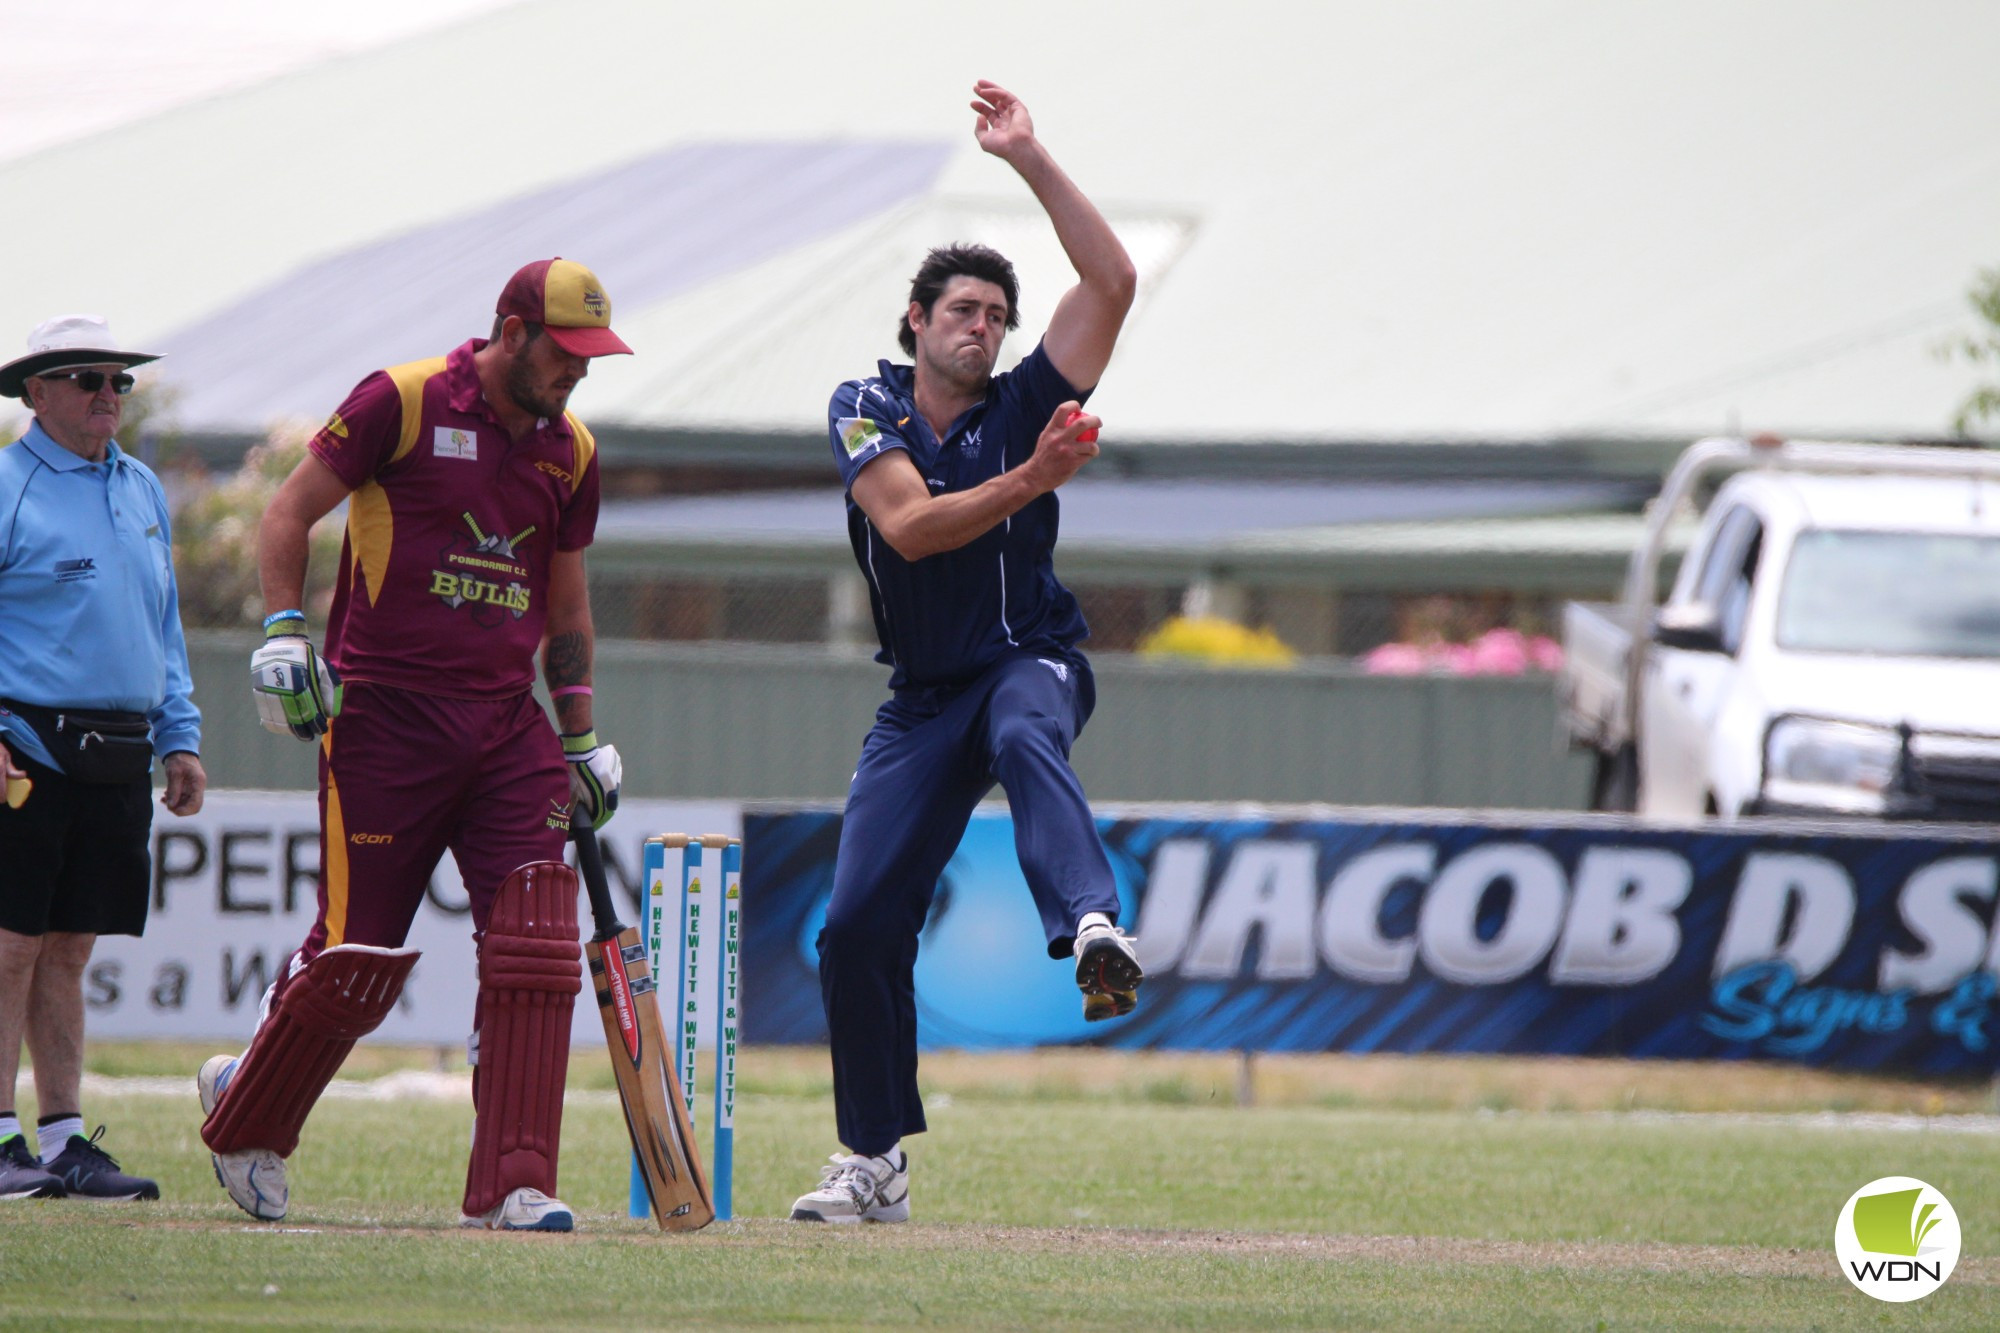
1072, 1190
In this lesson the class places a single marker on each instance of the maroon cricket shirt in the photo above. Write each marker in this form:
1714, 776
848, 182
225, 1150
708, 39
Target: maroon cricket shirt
444, 571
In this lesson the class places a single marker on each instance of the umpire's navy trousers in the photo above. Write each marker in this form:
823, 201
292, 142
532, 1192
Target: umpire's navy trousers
928, 761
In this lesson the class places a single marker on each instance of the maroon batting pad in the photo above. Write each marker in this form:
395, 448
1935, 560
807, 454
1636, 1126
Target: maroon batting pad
340, 997
529, 973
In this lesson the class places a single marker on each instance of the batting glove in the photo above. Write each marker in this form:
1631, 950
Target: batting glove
594, 774
297, 692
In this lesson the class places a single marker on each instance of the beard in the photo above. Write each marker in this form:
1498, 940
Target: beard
967, 370
531, 397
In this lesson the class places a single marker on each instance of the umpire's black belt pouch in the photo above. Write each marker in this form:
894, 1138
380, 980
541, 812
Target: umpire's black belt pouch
91, 745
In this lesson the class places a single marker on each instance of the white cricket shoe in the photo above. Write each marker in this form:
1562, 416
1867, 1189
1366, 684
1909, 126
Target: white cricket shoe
858, 1189
254, 1177
1107, 970
525, 1209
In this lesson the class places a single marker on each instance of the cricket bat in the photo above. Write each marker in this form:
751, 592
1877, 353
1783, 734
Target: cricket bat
648, 1088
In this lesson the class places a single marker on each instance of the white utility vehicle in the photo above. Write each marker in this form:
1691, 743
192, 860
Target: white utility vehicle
1831, 645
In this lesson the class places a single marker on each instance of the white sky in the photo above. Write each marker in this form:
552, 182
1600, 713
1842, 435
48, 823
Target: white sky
69, 70
1420, 219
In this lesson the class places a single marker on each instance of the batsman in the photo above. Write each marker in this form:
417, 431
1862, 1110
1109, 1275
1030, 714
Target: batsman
471, 494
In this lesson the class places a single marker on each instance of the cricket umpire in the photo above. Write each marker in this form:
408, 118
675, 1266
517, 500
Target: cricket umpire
471, 494
93, 687
951, 473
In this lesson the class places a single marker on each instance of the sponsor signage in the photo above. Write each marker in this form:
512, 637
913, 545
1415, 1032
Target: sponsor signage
1860, 946
235, 889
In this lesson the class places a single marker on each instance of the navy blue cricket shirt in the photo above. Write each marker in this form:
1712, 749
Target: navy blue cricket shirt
945, 618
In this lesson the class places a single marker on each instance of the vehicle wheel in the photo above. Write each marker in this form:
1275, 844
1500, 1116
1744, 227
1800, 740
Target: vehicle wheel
1614, 786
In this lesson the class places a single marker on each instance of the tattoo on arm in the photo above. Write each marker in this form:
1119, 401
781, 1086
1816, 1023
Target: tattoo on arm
567, 661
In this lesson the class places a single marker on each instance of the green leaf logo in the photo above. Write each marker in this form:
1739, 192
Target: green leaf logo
1892, 1223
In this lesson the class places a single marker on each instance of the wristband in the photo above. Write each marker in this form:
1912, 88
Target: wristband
578, 743
569, 689
277, 618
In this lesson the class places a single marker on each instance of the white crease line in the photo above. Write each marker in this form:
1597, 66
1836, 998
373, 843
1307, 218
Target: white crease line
1841, 1120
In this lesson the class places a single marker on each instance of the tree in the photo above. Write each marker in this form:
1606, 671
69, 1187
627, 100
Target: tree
215, 538
1982, 349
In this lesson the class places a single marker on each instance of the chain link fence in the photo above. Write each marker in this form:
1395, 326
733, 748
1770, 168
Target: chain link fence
1312, 622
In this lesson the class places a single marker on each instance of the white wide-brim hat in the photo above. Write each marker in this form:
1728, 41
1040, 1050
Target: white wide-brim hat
67, 340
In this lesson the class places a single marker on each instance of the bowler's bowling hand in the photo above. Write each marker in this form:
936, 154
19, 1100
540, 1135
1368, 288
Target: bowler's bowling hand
1065, 445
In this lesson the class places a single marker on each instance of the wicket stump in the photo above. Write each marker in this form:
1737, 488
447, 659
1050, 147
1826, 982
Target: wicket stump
716, 900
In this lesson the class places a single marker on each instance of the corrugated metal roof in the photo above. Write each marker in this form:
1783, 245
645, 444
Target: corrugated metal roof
667, 224
1185, 513
1385, 536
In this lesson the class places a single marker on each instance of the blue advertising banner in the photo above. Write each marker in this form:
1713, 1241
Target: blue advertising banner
1862, 947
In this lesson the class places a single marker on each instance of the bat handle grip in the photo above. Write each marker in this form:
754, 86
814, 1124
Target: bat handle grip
590, 862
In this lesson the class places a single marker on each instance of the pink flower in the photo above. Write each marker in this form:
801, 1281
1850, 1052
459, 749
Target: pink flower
1455, 658
1498, 652
1396, 659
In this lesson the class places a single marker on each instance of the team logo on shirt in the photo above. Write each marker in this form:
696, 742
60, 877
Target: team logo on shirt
69, 571
452, 442
558, 816
483, 573
858, 434
335, 427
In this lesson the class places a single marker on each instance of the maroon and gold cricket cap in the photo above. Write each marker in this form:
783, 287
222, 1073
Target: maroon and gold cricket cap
566, 299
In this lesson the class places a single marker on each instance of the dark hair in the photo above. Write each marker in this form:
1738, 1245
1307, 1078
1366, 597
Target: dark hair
946, 262
534, 329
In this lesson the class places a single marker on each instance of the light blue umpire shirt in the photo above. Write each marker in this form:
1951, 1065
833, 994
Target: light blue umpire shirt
90, 614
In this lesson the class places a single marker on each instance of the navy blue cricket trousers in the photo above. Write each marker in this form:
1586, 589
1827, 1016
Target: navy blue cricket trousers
926, 763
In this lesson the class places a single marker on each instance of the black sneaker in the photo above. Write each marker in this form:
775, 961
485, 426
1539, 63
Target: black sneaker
22, 1177
86, 1171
